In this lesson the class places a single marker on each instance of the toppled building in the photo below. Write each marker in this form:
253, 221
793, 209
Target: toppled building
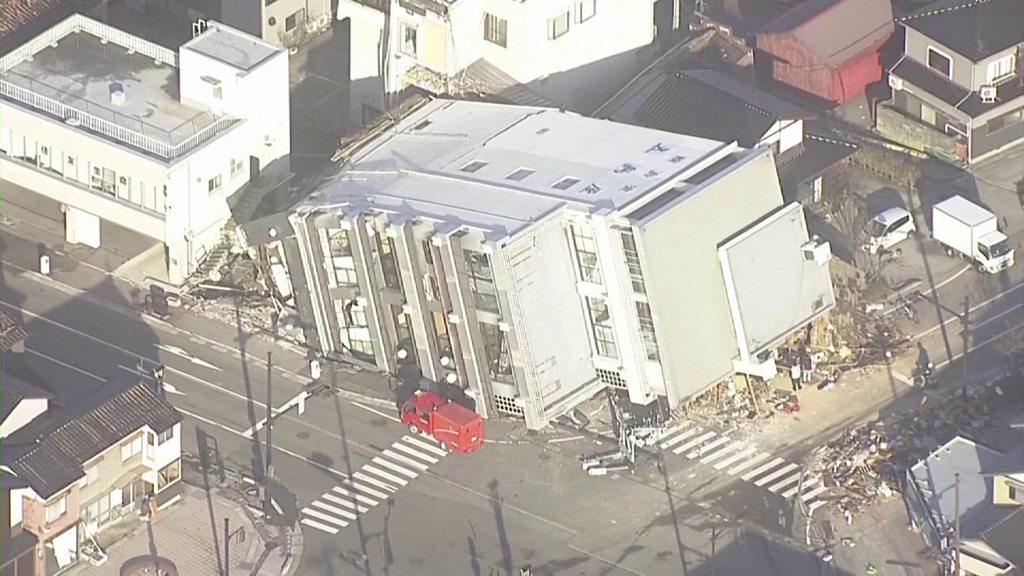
534, 257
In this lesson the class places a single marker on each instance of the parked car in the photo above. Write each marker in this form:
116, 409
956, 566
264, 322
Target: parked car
889, 229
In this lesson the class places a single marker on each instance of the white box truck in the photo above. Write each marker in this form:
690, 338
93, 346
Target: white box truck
970, 231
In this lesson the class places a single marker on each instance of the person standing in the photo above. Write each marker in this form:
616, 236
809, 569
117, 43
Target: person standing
795, 375
807, 367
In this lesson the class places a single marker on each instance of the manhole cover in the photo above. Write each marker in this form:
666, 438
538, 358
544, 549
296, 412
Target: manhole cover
149, 566
378, 422
302, 435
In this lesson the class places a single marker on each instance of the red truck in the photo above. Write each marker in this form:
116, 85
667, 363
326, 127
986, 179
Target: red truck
456, 427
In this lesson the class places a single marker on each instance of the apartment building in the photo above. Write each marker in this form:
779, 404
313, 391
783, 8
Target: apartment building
73, 472
958, 89
532, 257
128, 145
571, 52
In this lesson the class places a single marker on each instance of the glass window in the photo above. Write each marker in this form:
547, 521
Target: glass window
409, 40
131, 448
481, 281
213, 184
601, 327
643, 315
168, 474
558, 26
295, 19
1000, 68
165, 436
57, 508
499, 360
632, 256
940, 62
389, 262
92, 473
361, 347
586, 253
495, 30
585, 10
236, 167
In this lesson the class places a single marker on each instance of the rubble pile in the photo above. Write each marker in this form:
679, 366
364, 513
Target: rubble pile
860, 465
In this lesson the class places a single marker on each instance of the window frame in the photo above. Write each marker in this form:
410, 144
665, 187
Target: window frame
60, 503
928, 61
585, 249
602, 332
162, 478
553, 32
993, 67
134, 447
581, 15
495, 30
214, 184
165, 436
402, 29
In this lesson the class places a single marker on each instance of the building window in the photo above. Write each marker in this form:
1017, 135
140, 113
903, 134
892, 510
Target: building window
643, 315
519, 174
481, 281
474, 166
56, 509
92, 474
164, 436
168, 474
360, 347
585, 10
213, 184
131, 448
586, 253
565, 183
940, 62
236, 167
1000, 68
389, 263
295, 19
632, 257
558, 26
409, 40
499, 360
601, 327
1011, 493
928, 115
496, 30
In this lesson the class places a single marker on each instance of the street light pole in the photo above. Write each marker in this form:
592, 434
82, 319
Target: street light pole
270, 430
967, 343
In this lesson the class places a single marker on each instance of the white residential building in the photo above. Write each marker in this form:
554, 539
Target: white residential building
533, 257
129, 144
568, 51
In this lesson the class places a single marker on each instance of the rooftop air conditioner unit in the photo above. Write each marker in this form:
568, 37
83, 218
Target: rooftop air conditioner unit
818, 250
895, 83
988, 94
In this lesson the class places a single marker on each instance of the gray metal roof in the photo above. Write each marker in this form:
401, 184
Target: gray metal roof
231, 46
973, 29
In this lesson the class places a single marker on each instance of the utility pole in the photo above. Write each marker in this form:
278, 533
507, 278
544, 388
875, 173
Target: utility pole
967, 343
956, 523
270, 430
227, 542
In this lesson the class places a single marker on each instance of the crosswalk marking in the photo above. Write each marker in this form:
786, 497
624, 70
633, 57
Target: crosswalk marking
404, 459
424, 445
736, 457
324, 517
333, 509
707, 448
789, 467
814, 506
748, 463
762, 469
807, 496
365, 489
319, 526
725, 450
795, 477
395, 467
679, 437
344, 502
413, 452
690, 444
798, 486
385, 475
371, 480
355, 496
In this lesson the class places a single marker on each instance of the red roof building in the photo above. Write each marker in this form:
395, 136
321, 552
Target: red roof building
828, 48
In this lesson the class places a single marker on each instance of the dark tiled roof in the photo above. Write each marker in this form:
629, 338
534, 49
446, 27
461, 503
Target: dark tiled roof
683, 104
17, 546
816, 156
69, 438
973, 28
13, 390
10, 332
951, 93
836, 30
1007, 537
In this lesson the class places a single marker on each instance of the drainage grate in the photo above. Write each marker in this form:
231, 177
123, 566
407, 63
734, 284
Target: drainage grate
611, 378
507, 405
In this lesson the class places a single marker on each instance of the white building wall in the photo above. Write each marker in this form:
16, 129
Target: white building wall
788, 133
23, 413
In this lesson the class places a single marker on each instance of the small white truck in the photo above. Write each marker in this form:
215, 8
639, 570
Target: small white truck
887, 229
969, 231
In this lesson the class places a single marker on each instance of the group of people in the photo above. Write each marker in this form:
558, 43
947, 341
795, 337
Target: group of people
802, 367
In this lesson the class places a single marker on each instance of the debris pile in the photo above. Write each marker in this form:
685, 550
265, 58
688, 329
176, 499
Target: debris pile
860, 464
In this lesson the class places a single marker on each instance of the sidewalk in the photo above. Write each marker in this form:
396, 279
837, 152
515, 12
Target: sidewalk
190, 534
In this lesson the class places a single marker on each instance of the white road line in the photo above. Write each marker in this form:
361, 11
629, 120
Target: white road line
897, 376
425, 445
773, 475
325, 517
333, 509
996, 317
404, 459
721, 464
344, 502
362, 487
973, 308
706, 448
978, 345
747, 463
385, 475
683, 434
414, 452
64, 364
790, 492
690, 444
807, 496
319, 526
791, 479
355, 496
761, 469
726, 450
812, 506
371, 480
395, 467
377, 412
